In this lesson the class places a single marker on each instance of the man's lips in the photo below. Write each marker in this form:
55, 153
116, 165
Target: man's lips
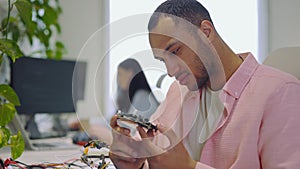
182, 77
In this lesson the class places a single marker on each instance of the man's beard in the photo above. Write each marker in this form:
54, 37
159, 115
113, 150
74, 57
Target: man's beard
199, 83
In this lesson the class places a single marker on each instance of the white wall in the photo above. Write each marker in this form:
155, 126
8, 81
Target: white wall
282, 25
79, 21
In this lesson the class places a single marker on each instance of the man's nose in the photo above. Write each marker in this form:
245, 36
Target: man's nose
172, 67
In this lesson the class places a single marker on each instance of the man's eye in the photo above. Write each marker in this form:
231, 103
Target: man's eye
174, 52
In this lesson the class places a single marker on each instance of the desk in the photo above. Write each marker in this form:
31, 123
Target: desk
41, 156
55, 155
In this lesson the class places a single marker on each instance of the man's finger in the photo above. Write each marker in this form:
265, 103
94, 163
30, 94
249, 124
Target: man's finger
151, 133
117, 128
122, 130
148, 148
142, 132
113, 121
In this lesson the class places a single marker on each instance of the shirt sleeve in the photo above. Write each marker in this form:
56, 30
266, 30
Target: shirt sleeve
198, 166
279, 142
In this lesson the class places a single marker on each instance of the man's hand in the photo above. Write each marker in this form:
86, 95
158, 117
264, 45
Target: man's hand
125, 163
176, 157
123, 151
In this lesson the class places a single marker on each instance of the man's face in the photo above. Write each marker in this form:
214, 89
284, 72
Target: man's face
180, 60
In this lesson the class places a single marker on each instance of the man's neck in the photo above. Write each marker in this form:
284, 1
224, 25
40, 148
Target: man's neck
229, 59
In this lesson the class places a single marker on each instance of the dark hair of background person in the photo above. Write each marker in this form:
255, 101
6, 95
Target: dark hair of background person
190, 10
138, 82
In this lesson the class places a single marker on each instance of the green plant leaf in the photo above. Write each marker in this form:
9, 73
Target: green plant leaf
58, 55
30, 38
50, 54
25, 12
10, 48
9, 94
17, 145
44, 36
12, 27
3, 26
7, 113
58, 28
60, 50
58, 7
15, 32
50, 16
4, 22
59, 45
4, 136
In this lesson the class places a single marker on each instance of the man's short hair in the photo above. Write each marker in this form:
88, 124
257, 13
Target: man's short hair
190, 10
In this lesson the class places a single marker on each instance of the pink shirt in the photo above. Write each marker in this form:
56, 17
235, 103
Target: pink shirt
261, 124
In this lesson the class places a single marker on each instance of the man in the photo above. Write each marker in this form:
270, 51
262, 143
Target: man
227, 112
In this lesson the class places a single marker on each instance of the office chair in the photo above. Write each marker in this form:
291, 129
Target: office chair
286, 59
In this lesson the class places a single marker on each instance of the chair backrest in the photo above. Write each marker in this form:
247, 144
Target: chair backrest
286, 59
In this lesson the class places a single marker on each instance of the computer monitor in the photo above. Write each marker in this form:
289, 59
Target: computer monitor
46, 85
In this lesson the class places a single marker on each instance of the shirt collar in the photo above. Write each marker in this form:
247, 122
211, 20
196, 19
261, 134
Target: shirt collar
237, 82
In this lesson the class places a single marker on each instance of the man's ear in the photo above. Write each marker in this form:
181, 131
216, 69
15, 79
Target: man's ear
207, 28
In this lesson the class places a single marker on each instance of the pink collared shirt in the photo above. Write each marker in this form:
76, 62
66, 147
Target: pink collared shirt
261, 124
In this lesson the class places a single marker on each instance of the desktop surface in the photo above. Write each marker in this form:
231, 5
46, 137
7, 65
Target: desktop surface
42, 156
56, 155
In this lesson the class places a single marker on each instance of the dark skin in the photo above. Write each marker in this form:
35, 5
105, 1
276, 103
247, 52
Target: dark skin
169, 158
123, 155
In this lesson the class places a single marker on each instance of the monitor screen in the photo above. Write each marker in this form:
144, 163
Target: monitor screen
47, 86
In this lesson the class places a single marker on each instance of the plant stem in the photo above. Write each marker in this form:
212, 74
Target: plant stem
8, 16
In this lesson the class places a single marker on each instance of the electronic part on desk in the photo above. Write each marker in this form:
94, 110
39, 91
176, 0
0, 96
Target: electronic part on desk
81, 138
94, 155
96, 149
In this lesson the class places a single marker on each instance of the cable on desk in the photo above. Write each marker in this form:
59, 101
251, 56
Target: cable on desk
86, 159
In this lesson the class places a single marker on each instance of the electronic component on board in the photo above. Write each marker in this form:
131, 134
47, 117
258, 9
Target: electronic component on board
132, 118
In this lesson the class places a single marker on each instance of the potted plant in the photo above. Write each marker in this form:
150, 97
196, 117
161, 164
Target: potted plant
28, 22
